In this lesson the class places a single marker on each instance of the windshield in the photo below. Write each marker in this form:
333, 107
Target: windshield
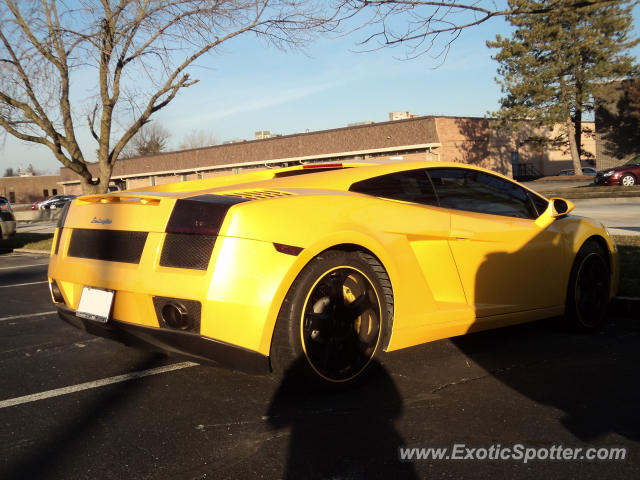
634, 161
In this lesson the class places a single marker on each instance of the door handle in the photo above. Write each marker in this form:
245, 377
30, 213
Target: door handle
460, 234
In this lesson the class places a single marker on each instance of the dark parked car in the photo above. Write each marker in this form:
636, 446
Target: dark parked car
7, 220
585, 171
626, 175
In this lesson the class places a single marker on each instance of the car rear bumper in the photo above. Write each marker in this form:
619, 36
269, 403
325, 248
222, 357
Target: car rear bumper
7, 228
184, 345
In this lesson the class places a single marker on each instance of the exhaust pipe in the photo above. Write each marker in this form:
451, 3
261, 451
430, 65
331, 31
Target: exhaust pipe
175, 315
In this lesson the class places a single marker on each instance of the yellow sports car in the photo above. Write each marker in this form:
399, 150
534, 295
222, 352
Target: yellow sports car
312, 270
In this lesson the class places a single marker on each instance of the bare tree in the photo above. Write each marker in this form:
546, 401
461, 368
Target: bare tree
151, 138
109, 65
197, 139
423, 26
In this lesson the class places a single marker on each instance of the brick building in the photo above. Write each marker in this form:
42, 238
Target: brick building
400, 140
30, 189
459, 139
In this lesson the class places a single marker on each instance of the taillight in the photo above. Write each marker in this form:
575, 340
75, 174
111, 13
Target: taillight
192, 229
63, 214
322, 165
203, 214
61, 220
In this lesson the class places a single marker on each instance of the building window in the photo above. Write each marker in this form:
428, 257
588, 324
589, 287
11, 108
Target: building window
54, 191
12, 197
45, 192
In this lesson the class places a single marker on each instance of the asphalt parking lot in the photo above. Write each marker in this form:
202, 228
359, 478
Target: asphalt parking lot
77, 407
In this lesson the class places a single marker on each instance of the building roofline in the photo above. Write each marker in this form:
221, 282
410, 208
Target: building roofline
293, 135
268, 162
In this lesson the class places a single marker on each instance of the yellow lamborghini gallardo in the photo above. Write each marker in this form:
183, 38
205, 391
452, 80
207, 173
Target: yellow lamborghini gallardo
314, 269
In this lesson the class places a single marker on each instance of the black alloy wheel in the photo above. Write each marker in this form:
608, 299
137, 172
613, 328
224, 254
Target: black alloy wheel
333, 320
589, 285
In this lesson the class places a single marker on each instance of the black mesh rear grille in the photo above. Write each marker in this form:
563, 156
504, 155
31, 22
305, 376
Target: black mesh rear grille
107, 245
183, 250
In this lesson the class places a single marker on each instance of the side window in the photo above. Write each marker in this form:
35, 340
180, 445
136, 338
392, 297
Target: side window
481, 192
410, 186
540, 203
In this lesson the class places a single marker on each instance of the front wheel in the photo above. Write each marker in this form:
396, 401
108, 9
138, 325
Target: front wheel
628, 180
588, 292
333, 319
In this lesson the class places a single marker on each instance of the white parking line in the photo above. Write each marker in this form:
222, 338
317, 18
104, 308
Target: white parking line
22, 284
95, 384
24, 266
16, 317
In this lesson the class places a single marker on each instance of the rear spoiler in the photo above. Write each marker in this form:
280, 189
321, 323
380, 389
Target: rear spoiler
236, 179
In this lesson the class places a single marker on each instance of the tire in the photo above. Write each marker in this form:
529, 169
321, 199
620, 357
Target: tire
333, 320
627, 180
588, 291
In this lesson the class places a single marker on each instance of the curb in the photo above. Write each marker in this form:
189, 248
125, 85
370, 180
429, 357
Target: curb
598, 200
30, 250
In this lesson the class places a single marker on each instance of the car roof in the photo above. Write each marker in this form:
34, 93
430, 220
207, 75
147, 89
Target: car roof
328, 177
343, 178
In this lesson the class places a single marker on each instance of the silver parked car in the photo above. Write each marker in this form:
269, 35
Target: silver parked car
57, 201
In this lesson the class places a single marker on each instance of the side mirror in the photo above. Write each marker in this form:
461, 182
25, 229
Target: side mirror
557, 208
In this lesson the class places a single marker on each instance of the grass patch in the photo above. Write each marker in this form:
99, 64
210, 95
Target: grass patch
589, 191
32, 241
629, 254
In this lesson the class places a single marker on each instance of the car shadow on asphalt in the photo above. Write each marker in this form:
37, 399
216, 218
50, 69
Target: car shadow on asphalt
592, 378
348, 433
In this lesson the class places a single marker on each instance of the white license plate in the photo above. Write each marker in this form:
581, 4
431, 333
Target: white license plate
95, 304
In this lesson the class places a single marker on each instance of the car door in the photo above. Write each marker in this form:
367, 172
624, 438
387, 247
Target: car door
506, 262
426, 230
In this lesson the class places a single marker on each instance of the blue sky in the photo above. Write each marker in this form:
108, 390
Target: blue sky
249, 86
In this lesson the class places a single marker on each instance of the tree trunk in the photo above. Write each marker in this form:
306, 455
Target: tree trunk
577, 122
573, 147
102, 183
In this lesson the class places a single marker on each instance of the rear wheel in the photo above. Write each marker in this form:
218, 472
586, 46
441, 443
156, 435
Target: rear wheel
588, 293
333, 319
627, 180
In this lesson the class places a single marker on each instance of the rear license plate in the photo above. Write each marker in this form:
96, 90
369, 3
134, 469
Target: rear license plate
95, 304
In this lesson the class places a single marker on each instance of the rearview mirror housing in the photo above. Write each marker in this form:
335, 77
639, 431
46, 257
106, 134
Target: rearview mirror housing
556, 208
